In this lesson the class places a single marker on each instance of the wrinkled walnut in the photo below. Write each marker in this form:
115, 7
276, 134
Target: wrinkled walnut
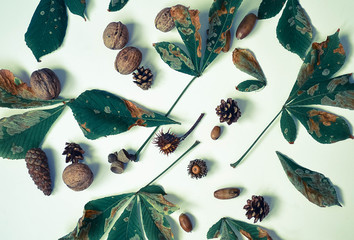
115, 35
127, 60
77, 176
164, 21
45, 84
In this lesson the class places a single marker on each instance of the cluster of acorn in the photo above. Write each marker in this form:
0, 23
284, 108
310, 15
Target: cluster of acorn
116, 37
77, 176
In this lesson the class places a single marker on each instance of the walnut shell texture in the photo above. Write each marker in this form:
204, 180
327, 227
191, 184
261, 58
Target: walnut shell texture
77, 176
45, 84
127, 60
115, 35
164, 21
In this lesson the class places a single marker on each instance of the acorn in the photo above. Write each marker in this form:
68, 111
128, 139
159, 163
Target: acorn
185, 222
215, 133
226, 193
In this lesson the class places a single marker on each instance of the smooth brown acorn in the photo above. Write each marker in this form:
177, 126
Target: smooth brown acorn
185, 222
227, 193
246, 26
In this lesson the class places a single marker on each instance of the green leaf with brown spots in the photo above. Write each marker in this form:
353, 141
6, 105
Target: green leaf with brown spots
294, 30
221, 16
176, 58
270, 8
128, 225
316, 187
188, 25
225, 229
288, 126
16, 94
98, 216
47, 28
323, 126
143, 213
322, 61
154, 207
315, 85
116, 5
77, 7
336, 92
245, 60
21, 132
100, 113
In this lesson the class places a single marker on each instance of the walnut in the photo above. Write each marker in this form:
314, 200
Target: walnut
45, 84
127, 60
115, 35
77, 176
164, 21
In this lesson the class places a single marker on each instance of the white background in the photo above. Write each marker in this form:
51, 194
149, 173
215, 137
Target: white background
83, 62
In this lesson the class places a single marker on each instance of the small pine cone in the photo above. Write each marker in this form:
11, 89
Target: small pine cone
256, 207
73, 152
38, 169
228, 111
143, 78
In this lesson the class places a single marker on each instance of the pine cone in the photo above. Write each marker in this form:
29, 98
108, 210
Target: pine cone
73, 152
228, 111
143, 78
38, 168
257, 208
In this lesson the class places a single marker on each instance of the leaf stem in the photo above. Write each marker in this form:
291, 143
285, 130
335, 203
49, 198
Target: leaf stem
192, 128
169, 111
249, 149
185, 153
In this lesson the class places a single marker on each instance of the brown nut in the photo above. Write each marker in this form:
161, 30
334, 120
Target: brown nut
215, 133
226, 193
117, 167
45, 84
185, 222
246, 26
127, 60
227, 46
77, 176
115, 35
164, 21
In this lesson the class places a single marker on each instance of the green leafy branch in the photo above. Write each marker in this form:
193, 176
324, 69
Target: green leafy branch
98, 113
47, 28
221, 15
315, 85
144, 212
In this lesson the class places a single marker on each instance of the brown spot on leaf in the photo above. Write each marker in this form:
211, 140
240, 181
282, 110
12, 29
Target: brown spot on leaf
339, 50
135, 111
319, 48
246, 234
314, 127
326, 118
83, 125
222, 10
263, 233
194, 14
311, 91
139, 122
14, 85
179, 14
91, 214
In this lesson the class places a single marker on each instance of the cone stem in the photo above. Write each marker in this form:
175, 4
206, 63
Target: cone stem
192, 128
168, 113
254, 143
